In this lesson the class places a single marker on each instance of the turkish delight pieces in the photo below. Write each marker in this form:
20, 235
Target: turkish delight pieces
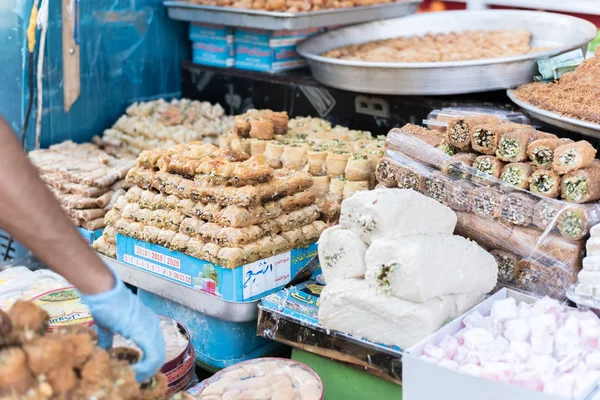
458, 133
583, 185
573, 156
384, 211
421, 267
341, 254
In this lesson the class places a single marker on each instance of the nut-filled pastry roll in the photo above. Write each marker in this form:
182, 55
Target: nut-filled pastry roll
358, 168
506, 265
336, 162
294, 156
316, 157
487, 202
459, 165
517, 208
572, 156
458, 133
575, 221
545, 182
512, 146
460, 195
545, 212
517, 175
273, 152
485, 138
583, 185
352, 187
541, 151
485, 169
436, 185
385, 172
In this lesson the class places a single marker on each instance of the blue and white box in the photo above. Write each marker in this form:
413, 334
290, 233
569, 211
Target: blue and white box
268, 59
216, 53
263, 37
90, 236
244, 283
201, 32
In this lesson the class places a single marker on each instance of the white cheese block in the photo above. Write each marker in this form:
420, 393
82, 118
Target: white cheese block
403, 212
591, 263
341, 254
595, 231
589, 277
353, 307
418, 268
592, 246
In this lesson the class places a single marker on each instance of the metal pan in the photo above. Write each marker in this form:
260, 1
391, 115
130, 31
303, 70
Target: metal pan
184, 11
560, 32
554, 119
194, 299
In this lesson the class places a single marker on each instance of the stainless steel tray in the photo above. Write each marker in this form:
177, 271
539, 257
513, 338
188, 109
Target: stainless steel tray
561, 32
184, 11
194, 299
552, 118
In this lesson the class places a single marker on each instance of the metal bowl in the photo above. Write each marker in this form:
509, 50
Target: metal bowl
560, 32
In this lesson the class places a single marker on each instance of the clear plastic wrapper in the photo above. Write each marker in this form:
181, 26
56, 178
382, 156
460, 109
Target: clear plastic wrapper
539, 239
438, 119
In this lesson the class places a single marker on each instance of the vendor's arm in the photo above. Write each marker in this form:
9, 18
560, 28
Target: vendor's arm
30, 213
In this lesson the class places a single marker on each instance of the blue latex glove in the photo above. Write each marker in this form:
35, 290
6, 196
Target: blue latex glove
120, 311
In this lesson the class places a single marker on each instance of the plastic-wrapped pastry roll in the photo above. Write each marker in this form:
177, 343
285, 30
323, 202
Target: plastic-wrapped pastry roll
512, 146
358, 168
294, 156
460, 196
517, 208
385, 172
583, 185
316, 157
459, 165
458, 132
336, 162
516, 174
485, 168
430, 136
410, 176
273, 152
352, 187
446, 149
487, 202
572, 156
506, 265
545, 182
257, 146
574, 221
435, 187
545, 212
400, 144
341, 254
485, 137
541, 151
533, 276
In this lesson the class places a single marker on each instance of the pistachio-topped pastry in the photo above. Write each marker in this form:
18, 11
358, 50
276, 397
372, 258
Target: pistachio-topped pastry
516, 174
485, 168
545, 182
583, 185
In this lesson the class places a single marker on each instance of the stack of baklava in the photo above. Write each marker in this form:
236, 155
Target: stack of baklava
341, 161
502, 179
161, 124
222, 206
86, 180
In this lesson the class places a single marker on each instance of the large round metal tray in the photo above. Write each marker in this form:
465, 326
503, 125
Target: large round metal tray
554, 119
560, 32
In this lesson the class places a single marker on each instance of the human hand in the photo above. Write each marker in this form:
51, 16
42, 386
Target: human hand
120, 311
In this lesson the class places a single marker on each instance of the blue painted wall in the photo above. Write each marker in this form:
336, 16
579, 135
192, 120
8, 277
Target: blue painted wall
130, 50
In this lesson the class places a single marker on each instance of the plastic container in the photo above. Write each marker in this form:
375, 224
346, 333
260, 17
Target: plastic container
302, 378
